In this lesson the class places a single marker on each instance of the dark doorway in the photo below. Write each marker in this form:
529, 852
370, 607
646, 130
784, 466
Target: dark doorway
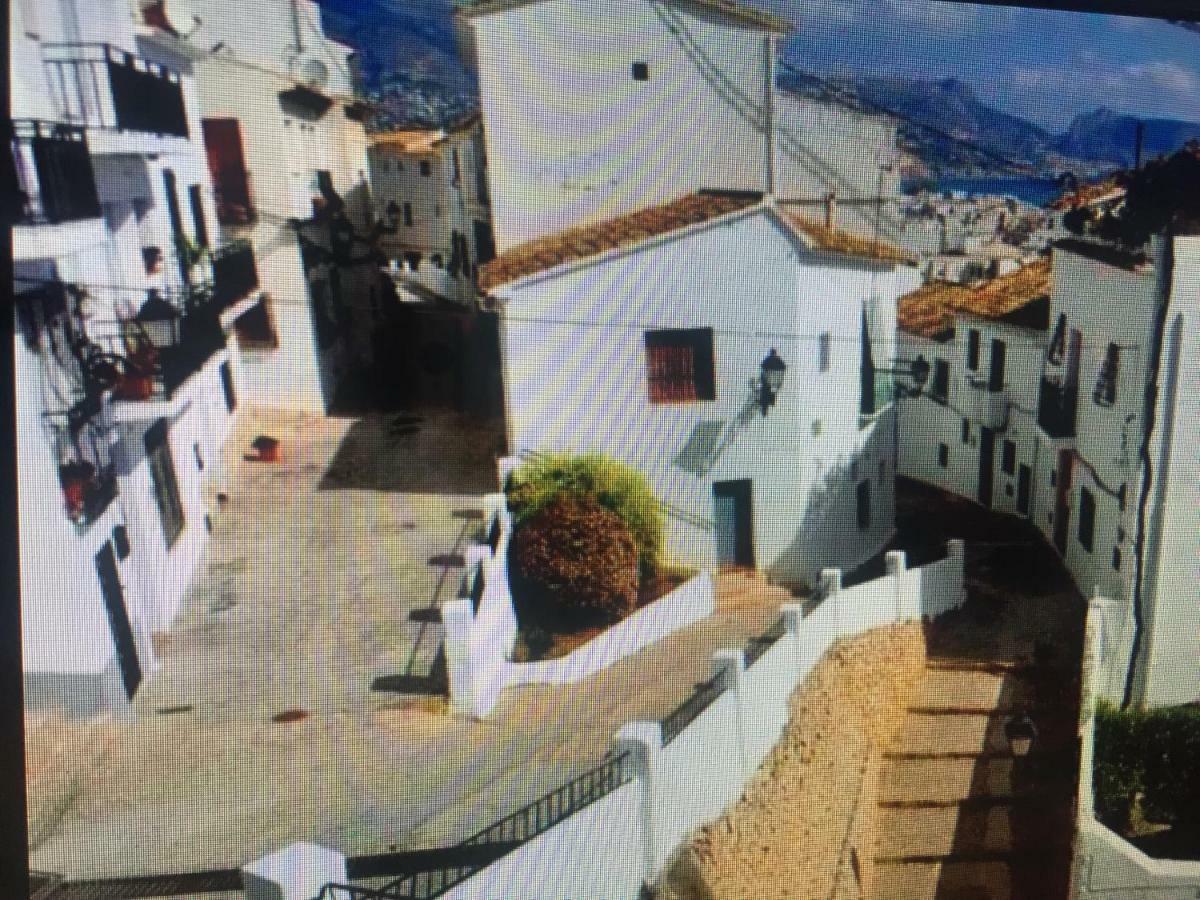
118, 619
176, 217
199, 222
733, 523
987, 465
1024, 486
996, 372
485, 244
1062, 512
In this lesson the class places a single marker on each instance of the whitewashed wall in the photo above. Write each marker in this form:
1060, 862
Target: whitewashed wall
573, 138
575, 380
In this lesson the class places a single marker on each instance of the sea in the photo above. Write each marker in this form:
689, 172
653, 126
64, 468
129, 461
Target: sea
1034, 191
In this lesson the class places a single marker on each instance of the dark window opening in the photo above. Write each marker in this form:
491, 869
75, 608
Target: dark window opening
1087, 519
943, 455
425, 168
863, 501
227, 165
966, 431
1106, 384
1116, 559
641, 71
199, 223
1008, 461
824, 351
227, 387
457, 167
1058, 343
973, 350
941, 380
408, 215
165, 485
679, 365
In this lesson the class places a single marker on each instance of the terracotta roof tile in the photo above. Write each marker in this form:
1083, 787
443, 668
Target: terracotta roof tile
410, 140
1087, 194
929, 310
835, 240
590, 240
745, 12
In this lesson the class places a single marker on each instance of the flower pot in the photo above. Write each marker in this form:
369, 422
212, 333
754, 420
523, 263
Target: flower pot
135, 387
77, 479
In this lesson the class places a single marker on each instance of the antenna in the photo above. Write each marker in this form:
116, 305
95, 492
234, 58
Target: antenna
1139, 134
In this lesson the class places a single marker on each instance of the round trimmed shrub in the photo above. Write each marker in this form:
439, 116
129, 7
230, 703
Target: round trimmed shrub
574, 564
618, 488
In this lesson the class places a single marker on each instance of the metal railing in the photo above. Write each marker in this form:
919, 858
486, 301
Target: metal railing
55, 178
102, 86
760, 644
702, 697
502, 837
234, 273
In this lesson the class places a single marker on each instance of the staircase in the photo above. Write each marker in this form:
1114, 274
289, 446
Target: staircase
959, 817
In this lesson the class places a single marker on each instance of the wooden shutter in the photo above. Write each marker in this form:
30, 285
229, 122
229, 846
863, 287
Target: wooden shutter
672, 373
227, 165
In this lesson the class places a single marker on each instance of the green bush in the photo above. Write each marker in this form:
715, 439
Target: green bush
615, 486
573, 564
1149, 752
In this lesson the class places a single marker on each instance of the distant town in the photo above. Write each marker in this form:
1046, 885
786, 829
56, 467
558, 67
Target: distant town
458, 463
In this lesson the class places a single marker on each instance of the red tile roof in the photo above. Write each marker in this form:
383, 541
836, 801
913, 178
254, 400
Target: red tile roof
834, 240
929, 310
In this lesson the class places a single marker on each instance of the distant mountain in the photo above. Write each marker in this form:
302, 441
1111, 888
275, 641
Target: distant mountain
1111, 137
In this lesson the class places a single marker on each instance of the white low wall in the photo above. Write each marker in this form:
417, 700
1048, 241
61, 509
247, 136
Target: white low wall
1105, 864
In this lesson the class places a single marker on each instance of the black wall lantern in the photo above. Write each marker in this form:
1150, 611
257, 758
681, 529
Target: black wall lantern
770, 380
1020, 733
916, 369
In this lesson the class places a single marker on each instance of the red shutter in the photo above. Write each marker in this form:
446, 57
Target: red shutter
671, 374
227, 165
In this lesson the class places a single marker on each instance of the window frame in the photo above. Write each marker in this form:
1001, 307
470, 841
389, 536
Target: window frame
700, 342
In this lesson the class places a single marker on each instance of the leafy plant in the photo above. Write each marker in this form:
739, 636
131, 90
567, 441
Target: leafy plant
574, 564
1118, 769
618, 488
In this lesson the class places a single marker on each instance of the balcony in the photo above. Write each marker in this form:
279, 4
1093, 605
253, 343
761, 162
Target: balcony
235, 274
114, 93
86, 471
1057, 405
985, 404
54, 173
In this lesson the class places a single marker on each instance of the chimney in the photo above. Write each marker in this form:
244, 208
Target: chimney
830, 209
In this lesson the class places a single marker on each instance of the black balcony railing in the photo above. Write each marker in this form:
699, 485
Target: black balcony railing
55, 179
102, 86
1057, 405
235, 273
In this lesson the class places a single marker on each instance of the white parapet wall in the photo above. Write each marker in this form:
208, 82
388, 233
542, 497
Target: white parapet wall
1105, 864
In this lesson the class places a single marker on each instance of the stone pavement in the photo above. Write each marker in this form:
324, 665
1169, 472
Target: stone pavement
315, 601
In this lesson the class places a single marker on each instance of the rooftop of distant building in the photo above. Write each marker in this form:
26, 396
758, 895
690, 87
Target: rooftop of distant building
1104, 191
740, 11
586, 241
1019, 298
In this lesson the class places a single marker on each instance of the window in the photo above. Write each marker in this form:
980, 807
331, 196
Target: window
1009, 459
941, 380
162, 476
1106, 385
640, 71
227, 165
199, 223
457, 167
227, 387
1087, 519
824, 351
1058, 343
883, 469
863, 500
943, 455
1116, 559
679, 365
966, 431
425, 168
973, 350
408, 216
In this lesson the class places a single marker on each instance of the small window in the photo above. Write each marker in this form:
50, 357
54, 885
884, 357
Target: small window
457, 167
1053, 477
425, 168
883, 469
1009, 459
641, 71
163, 482
863, 502
399, 165
1106, 384
408, 216
973, 350
1116, 559
1087, 519
824, 351
966, 431
941, 380
943, 455
679, 365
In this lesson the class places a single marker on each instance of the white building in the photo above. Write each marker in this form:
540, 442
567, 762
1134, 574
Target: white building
681, 99
645, 338
125, 387
1092, 437
432, 186
284, 134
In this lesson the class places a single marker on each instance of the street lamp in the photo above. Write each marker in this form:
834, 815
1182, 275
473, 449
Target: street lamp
770, 380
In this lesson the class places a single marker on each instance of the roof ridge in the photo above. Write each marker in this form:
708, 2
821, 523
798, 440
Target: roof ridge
732, 8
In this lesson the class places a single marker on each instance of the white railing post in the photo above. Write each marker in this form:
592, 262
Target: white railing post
831, 586
733, 664
643, 742
896, 562
793, 618
297, 872
458, 619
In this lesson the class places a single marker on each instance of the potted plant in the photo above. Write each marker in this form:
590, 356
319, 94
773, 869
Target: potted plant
78, 478
191, 254
267, 448
136, 381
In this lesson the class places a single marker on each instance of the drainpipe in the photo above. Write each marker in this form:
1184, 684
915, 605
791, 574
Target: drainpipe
1164, 246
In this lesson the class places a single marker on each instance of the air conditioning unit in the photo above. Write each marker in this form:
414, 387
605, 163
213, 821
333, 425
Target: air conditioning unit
310, 70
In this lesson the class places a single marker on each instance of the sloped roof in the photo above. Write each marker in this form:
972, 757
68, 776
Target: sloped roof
579, 243
1088, 194
743, 12
411, 140
835, 240
929, 310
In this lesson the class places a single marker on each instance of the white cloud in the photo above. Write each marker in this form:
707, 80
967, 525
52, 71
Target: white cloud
1159, 88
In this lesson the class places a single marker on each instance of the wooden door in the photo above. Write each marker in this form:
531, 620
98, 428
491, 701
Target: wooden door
733, 523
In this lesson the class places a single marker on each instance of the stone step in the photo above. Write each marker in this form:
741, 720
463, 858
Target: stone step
946, 779
958, 664
944, 831
961, 734
944, 688
944, 880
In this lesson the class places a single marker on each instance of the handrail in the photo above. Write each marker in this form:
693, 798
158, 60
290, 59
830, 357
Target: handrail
702, 697
761, 643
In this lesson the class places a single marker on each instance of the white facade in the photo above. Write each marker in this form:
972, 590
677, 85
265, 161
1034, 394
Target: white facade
574, 351
81, 272
287, 89
434, 189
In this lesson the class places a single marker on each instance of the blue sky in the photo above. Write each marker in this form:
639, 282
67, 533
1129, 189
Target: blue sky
1046, 66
